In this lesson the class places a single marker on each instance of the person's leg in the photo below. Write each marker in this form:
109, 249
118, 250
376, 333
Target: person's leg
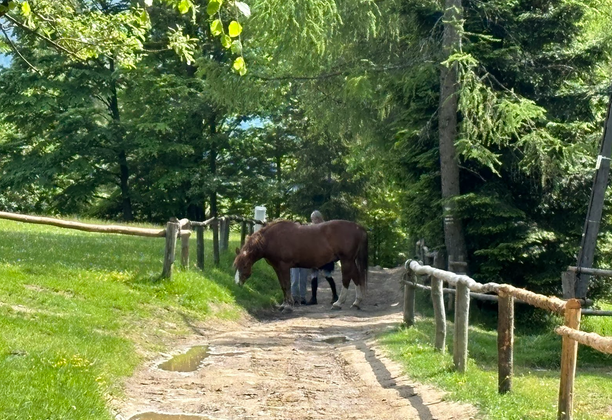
332, 285
295, 284
303, 284
314, 283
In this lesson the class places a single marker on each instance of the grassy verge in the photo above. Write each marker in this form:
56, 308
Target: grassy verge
77, 310
536, 368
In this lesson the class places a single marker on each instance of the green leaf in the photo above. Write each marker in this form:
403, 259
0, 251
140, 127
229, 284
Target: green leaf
184, 6
144, 17
239, 64
216, 27
242, 71
237, 47
25, 9
213, 7
226, 41
235, 29
244, 8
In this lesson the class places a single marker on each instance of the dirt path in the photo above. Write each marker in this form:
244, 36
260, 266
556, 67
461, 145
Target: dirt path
312, 364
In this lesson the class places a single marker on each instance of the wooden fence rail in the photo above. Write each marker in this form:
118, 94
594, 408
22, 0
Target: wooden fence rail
174, 229
506, 295
87, 227
596, 341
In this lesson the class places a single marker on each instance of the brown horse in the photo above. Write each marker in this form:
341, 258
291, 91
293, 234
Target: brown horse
285, 244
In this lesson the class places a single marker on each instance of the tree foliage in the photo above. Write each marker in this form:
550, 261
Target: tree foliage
138, 110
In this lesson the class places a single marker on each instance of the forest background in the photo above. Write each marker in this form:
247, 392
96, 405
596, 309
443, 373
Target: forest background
143, 110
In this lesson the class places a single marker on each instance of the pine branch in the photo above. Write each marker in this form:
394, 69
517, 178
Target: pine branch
333, 74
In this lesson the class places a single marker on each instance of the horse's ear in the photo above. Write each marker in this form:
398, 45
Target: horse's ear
237, 250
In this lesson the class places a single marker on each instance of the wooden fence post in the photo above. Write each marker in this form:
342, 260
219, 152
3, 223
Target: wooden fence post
505, 341
462, 315
437, 297
409, 298
185, 235
243, 232
215, 229
226, 232
568, 284
251, 228
222, 244
569, 353
172, 229
200, 249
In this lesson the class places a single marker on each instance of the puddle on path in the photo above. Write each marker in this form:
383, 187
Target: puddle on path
161, 416
187, 362
335, 340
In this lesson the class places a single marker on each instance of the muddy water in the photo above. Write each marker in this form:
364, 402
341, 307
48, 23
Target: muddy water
335, 340
161, 416
187, 362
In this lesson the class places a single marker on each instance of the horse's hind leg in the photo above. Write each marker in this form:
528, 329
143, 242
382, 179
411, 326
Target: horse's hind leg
358, 288
346, 280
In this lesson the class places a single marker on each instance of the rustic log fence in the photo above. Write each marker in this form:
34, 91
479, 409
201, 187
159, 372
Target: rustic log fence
506, 296
175, 229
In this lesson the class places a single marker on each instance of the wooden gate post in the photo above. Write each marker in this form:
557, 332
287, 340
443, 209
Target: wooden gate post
569, 353
200, 249
215, 229
243, 232
409, 297
505, 341
172, 229
462, 315
185, 235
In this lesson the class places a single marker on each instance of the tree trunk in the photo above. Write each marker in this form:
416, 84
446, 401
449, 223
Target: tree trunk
124, 171
126, 202
447, 125
279, 179
212, 166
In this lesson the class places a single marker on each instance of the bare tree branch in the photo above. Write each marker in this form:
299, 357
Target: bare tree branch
43, 37
14, 48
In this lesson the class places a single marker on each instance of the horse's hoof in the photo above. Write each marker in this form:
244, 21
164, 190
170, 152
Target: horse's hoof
356, 306
336, 307
287, 310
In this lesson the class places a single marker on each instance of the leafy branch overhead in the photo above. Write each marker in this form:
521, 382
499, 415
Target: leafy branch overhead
86, 31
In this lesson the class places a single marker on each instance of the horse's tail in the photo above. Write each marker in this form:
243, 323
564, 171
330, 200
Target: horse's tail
362, 261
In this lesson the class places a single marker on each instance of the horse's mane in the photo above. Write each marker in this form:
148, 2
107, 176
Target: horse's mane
256, 241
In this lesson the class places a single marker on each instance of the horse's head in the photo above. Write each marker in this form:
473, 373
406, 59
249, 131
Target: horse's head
243, 263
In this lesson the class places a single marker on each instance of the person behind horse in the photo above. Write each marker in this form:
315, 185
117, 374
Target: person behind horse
316, 217
299, 281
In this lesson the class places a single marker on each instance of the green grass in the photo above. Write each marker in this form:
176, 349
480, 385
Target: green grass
78, 310
536, 371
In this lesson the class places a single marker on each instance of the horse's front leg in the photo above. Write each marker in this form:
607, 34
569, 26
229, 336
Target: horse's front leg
284, 278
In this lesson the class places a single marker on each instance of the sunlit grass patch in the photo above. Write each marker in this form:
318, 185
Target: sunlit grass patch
536, 372
77, 310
